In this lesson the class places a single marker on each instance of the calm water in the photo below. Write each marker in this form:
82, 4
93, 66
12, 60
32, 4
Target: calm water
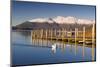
27, 51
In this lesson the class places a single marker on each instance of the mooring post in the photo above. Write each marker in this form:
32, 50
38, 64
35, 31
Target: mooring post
75, 40
51, 34
65, 33
37, 34
46, 33
41, 33
62, 33
31, 34
83, 42
93, 33
93, 41
67, 36
83, 34
55, 34
75, 34
59, 32
34, 34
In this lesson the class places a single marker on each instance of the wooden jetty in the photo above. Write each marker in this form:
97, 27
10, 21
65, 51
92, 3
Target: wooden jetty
76, 36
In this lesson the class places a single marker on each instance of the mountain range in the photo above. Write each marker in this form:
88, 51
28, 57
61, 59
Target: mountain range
58, 22
63, 20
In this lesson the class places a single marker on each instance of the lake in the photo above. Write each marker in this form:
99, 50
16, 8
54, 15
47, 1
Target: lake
28, 51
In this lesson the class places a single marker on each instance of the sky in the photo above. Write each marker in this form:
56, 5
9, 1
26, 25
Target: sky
22, 11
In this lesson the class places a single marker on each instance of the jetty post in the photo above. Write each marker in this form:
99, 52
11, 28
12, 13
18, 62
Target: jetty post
33, 34
75, 40
93, 34
51, 32
41, 33
62, 34
83, 34
46, 33
59, 33
55, 34
93, 41
83, 42
75, 35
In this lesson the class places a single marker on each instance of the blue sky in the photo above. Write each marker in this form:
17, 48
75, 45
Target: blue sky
23, 11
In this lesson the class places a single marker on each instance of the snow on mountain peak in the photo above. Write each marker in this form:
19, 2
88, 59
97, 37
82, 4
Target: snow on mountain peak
85, 21
63, 20
60, 19
41, 20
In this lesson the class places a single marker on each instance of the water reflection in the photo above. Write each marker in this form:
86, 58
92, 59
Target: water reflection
63, 47
53, 45
27, 50
93, 52
83, 50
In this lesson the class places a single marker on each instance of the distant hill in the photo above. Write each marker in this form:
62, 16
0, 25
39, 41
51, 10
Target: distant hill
36, 25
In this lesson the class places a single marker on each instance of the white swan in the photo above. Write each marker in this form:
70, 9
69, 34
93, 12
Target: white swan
54, 46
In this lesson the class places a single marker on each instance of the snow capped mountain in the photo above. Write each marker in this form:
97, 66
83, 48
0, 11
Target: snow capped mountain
38, 20
63, 20
41, 20
60, 19
85, 21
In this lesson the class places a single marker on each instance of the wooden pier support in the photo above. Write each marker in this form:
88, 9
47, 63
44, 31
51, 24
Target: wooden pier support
76, 36
93, 37
46, 33
55, 33
75, 40
83, 34
51, 34
83, 54
41, 33
62, 34
93, 42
